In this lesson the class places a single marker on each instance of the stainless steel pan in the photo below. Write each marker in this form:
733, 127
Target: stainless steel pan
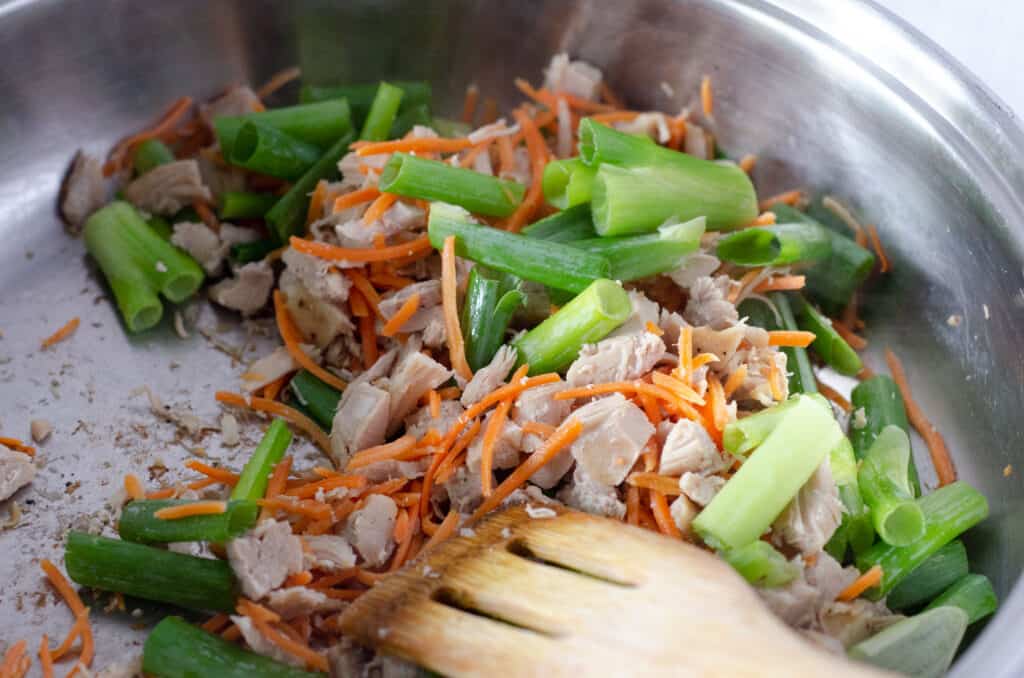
836, 96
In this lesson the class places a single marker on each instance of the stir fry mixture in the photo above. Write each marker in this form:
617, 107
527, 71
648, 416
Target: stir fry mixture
575, 304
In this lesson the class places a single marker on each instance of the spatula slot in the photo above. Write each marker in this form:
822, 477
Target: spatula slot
570, 563
464, 602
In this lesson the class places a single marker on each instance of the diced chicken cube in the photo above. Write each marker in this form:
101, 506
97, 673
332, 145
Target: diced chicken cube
538, 405
202, 244
700, 489
318, 319
551, 473
165, 189
464, 490
411, 378
83, 191
270, 367
810, 520
683, 511
296, 601
370, 529
506, 447
360, 422
709, 305
688, 447
490, 376
248, 291
328, 553
586, 495
616, 359
318, 276
429, 292
614, 433
40, 430
16, 471
577, 78
694, 266
264, 557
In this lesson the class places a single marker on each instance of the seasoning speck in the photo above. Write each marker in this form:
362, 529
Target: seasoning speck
984, 309
1008, 470
954, 320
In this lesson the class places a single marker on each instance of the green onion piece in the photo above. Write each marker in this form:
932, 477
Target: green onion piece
743, 435
150, 573
638, 256
680, 185
798, 364
240, 205
973, 594
885, 486
948, 512
360, 96
408, 118
881, 403
177, 649
587, 318
382, 113
490, 302
553, 264
416, 177
252, 484
568, 182
138, 264
150, 153
320, 124
775, 245
569, 225
761, 565
320, 399
931, 578
833, 280
245, 252
755, 496
160, 226
828, 345
138, 524
922, 646
288, 215
856, 529
267, 150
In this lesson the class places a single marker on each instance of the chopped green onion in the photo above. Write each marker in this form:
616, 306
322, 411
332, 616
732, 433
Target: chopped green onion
568, 182
160, 226
267, 150
754, 497
743, 435
948, 512
245, 252
588, 317
557, 265
490, 302
856, 530
177, 649
801, 377
150, 153
138, 524
320, 399
761, 565
288, 215
880, 404
408, 118
922, 646
569, 225
638, 256
320, 124
973, 594
828, 345
360, 96
415, 177
931, 578
252, 484
775, 245
885, 486
239, 205
382, 112
150, 573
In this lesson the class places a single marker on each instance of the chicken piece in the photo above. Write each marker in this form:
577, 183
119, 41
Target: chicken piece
672, 324
40, 430
644, 311
551, 473
399, 218
259, 644
328, 553
721, 343
129, 666
430, 298
616, 359
378, 372
360, 422
582, 493
381, 471
82, 192
370, 529
850, 623
165, 189
237, 100
202, 244
296, 601
699, 142
709, 305
689, 448
435, 333
464, 489
700, 489
411, 378
218, 177
652, 125
264, 556
506, 447
683, 511
810, 520
248, 291
353, 178
270, 367
16, 471
614, 433
237, 235
694, 266
796, 603
490, 376
538, 405
756, 386
318, 319
318, 276
530, 494
577, 78
419, 422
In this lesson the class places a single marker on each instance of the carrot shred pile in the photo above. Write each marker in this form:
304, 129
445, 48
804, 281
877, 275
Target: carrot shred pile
79, 610
63, 333
328, 252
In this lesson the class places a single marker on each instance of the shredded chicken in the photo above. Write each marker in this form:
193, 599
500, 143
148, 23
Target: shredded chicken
83, 191
617, 359
572, 77
16, 471
264, 556
709, 305
489, 377
370, 529
165, 189
248, 291
814, 514
202, 243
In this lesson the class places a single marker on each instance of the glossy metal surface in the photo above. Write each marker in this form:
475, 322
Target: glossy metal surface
835, 96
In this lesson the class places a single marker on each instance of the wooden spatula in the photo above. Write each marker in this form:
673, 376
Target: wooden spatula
572, 594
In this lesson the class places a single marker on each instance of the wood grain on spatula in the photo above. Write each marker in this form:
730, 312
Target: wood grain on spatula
574, 595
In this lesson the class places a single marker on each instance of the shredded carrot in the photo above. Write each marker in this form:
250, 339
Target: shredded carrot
133, 488
312, 659
685, 348
790, 198
305, 507
17, 446
278, 80
677, 386
417, 145
614, 116
334, 253
206, 215
15, 662
371, 455
162, 128
506, 156
45, 658
357, 304
719, 414
943, 463
449, 300
434, 401
781, 282
215, 623
379, 206
299, 578
633, 505
654, 329
469, 104
452, 459
872, 577
446, 530
293, 338
734, 381
865, 373
405, 540
857, 342
538, 151
73, 633
662, 515
390, 280
834, 396
876, 245
763, 219
165, 493
707, 97
610, 97
273, 389
63, 333
278, 482
566, 434
537, 428
494, 428
293, 416
402, 316
797, 338
316, 203
362, 283
747, 163
219, 474
773, 376
231, 633
475, 152
702, 359
354, 198
743, 283
368, 340
653, 481
547, 98
198, 508
78, 609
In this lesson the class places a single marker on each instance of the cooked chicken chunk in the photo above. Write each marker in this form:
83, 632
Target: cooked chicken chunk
709, 305
264, 556
16, 471
429, 292
165, 189
506, 448
464, 490
810, 520
318, 276
259, 644
538, 405
616, 359
614, 433
699, 488
490, 377
202, 244
577, 78
319, 320
248, 291
644, 311
83, 191
582, 493
694, 266
683, 512
296, 601
328, 553
270, 367
360, 422
688, 447
411, 378
370, 529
